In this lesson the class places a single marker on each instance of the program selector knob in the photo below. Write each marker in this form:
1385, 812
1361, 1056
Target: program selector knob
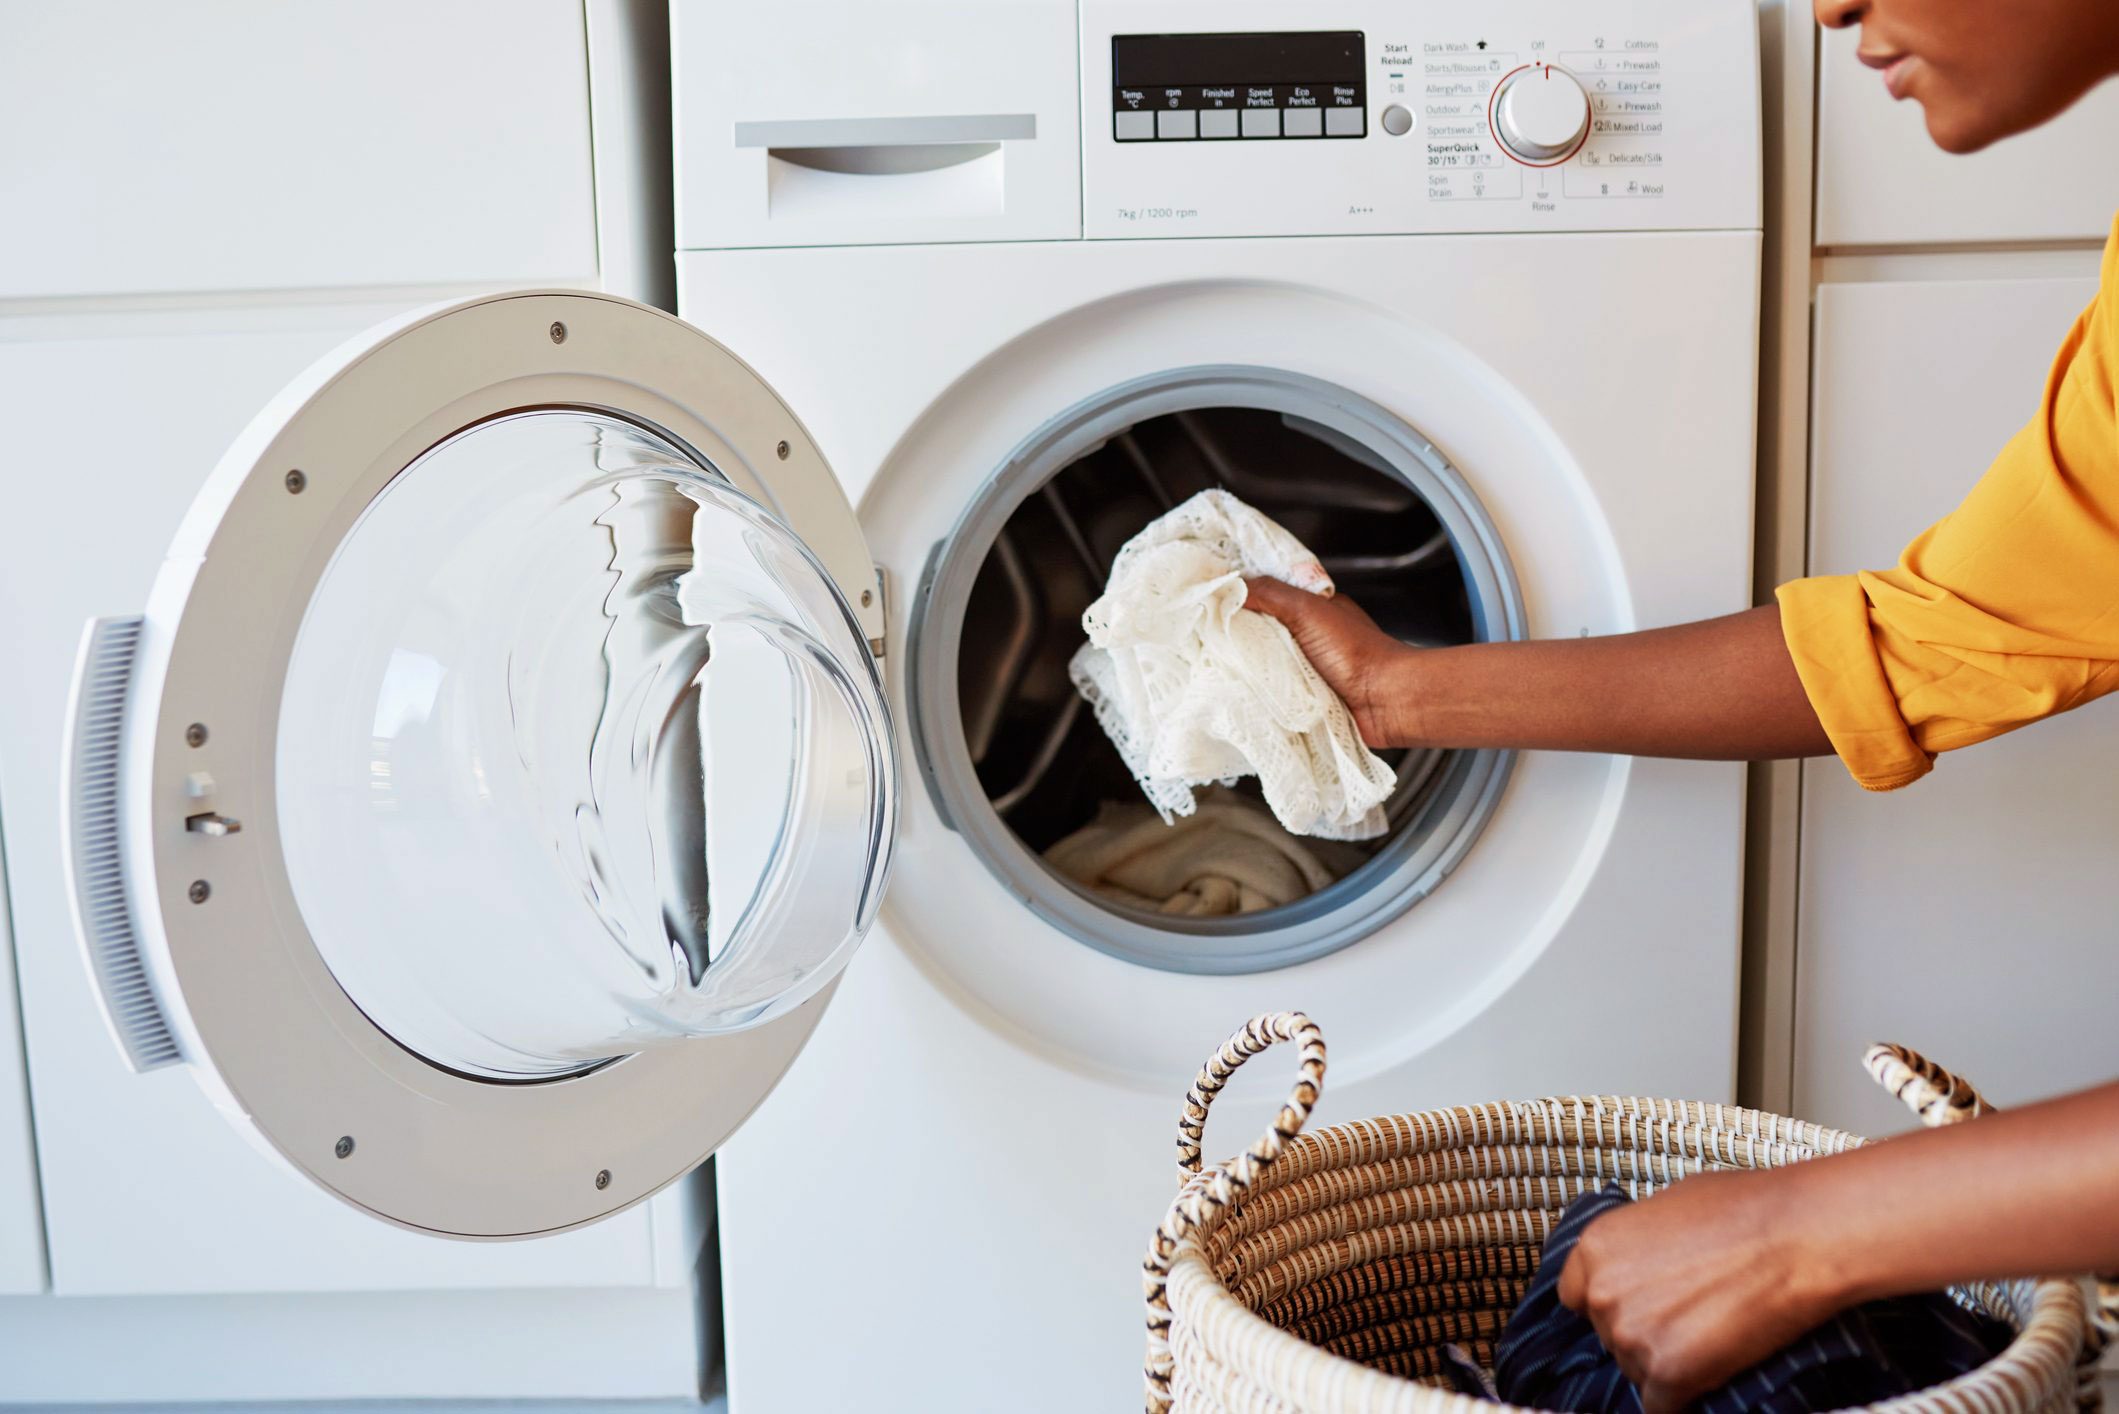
1541, 114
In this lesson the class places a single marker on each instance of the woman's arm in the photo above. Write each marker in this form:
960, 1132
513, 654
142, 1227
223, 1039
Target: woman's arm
1718, 1272
1708, 1278
1723, 689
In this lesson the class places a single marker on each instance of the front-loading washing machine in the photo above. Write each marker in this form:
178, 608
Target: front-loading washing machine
515, 745
1464, 295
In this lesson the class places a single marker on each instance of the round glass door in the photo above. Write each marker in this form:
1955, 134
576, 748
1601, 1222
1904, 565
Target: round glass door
581, 752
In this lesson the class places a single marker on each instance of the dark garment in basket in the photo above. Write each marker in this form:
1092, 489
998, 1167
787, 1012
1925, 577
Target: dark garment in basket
1550, 1358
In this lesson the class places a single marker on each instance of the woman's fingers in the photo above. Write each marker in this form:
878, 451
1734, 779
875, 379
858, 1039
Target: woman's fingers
1272, 596
1662, 1398
1574, 1282
1342, 643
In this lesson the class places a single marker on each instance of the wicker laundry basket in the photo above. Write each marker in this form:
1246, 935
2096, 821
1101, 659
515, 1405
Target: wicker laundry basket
1322, 1273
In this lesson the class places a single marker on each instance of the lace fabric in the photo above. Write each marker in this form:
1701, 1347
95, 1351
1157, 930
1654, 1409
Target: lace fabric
1195, 690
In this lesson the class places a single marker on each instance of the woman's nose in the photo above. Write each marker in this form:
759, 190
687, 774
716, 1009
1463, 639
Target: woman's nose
1838, 14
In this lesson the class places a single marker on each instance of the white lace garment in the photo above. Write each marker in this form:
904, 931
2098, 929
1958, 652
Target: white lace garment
1196, 690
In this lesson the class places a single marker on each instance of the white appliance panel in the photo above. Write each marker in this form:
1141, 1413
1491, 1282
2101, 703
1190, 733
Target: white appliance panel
240, 145
848, 122
1965, 916
1674, 111
21, 1216
1882, 181
148, 1190
599, 1347
1065, 1063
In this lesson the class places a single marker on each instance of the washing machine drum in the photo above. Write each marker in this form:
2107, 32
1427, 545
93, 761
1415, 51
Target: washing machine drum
500, 775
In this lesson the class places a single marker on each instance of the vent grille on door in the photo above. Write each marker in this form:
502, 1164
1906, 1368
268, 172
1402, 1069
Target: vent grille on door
94, 856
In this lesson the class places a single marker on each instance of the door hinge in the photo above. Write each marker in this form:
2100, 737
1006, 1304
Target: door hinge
878, 644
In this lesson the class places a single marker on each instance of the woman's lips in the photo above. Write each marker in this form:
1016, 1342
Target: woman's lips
1896, 69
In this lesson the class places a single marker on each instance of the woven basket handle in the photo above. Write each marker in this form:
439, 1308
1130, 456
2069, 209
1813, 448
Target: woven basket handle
1205, 1197
1259, 1035
1933, 1094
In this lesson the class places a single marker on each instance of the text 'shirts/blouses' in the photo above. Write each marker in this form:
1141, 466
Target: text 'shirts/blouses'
2003, 612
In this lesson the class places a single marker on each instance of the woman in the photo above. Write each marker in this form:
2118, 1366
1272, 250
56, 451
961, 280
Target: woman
2005, 612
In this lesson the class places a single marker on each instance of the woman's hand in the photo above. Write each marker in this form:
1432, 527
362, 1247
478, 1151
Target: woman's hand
1351, 654
1700, 1282
1716, 1273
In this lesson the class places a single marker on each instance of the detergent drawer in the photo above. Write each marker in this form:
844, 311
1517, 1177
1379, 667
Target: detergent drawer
822, 123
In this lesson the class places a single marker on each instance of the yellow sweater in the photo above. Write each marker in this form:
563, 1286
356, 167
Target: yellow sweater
2004, 611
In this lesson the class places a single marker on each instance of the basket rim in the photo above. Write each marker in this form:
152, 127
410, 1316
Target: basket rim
2036, 1368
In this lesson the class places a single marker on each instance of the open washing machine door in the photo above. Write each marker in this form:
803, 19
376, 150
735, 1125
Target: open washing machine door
500, 774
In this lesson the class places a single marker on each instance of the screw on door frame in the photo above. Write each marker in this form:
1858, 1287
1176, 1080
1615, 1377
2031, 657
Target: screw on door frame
868, 597
558, 332
199, 892
781, 451
195, 734
603, 1178
296, 481
344, 1147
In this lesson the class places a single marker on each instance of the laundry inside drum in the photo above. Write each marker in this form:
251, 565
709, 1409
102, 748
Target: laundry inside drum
1045, 767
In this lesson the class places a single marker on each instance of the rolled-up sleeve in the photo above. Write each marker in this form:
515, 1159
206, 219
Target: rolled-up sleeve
2004, 612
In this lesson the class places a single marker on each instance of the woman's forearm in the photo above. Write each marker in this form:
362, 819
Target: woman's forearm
2026, 1192
1721, 689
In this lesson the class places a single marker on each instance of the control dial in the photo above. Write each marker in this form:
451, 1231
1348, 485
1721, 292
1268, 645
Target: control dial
1540, 114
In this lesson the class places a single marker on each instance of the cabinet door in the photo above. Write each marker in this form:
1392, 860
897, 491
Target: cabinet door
117, 419
1881, 181
1968, 916
247, 145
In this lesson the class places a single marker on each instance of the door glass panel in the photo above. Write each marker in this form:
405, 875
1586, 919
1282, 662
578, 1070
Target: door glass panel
581, 752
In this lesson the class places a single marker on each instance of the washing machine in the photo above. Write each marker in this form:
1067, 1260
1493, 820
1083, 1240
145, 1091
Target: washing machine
1441, 289
489, 799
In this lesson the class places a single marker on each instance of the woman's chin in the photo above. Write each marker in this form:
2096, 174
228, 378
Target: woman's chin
1955, 130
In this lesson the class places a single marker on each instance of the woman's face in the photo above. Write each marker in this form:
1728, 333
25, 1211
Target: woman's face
1983, 69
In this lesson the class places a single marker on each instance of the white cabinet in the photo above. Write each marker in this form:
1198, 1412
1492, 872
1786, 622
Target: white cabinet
1881, 181
1968, 916
248, 145
589, 1348
243, 186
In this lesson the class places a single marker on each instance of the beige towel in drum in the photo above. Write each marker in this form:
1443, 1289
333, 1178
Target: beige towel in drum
1227, 857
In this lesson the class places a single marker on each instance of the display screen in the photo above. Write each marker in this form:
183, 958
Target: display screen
1292, 85
1198, 60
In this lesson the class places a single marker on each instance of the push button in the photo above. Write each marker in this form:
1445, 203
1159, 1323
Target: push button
1218, 122
1181, 124
1397, 121
1136, 127
1303, 122
1261, 122
1344, 122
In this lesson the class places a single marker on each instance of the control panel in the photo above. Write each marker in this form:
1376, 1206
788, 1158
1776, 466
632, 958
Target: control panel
1250, 87
1259, 117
